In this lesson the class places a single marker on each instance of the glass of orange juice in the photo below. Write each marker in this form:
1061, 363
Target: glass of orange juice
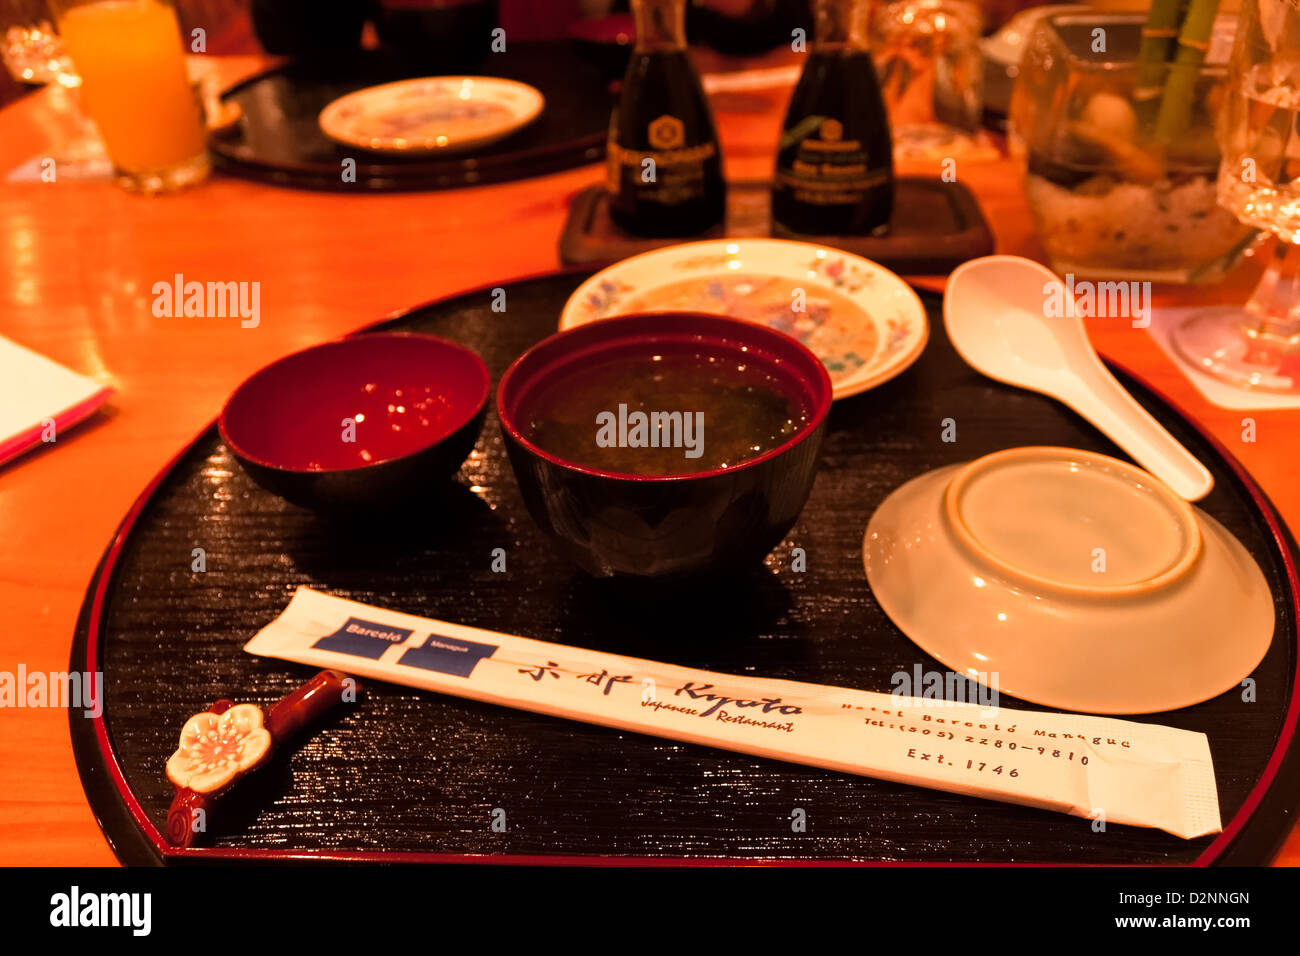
136, 88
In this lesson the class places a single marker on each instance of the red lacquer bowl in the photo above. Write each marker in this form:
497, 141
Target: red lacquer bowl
665, 526
364, 421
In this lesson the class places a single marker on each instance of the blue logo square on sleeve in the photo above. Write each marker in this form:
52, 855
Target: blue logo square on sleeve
447, 655
363, 638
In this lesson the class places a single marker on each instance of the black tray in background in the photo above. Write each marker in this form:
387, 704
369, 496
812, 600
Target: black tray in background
409, 775
279, 140
936, 227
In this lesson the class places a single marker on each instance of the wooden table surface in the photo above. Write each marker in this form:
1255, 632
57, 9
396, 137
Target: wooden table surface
77, 264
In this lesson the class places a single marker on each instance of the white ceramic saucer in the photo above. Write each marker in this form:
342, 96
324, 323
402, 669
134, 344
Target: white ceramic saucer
1080, 580
864, 322
431, 114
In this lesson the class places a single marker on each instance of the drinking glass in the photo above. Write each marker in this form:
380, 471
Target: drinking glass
1257, 346
931, 74
135, 87
32, 52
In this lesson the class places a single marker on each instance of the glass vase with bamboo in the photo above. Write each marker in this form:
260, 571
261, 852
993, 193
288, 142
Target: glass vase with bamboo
1257, 346
1113, 118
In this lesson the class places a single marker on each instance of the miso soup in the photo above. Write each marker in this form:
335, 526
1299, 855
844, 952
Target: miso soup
660, 409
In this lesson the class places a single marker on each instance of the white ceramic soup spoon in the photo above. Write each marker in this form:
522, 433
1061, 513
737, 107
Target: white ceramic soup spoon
996, 314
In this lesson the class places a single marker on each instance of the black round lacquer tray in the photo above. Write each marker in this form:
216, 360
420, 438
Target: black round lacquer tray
407, 775
280, 141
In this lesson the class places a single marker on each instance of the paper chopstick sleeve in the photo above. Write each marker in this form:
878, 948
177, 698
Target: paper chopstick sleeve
1100, 768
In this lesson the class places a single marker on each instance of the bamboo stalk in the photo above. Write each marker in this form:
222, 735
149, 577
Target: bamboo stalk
1185, 70
1159, 36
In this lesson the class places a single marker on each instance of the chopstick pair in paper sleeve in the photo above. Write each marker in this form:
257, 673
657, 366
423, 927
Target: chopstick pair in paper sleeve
1093, 767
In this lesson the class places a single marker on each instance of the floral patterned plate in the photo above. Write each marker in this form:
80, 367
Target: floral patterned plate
431, 114
864, 322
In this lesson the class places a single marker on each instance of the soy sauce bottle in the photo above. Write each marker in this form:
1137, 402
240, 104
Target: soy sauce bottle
664, 166
834, 166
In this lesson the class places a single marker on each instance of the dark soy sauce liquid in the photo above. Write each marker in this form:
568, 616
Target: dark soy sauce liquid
663, 117
835, 168
744, 410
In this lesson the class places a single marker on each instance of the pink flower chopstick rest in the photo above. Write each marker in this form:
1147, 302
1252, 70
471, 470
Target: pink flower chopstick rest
224, 743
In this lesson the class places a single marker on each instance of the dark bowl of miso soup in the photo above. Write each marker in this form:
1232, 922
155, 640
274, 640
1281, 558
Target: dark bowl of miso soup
665, 445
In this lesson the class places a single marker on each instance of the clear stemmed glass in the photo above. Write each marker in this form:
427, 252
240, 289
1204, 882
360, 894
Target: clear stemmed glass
931, 74
1257, 345
33, 53
30, 49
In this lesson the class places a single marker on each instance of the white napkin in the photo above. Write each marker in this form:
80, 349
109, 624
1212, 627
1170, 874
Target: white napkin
40, 398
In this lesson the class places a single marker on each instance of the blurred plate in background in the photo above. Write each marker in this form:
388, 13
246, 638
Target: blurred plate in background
431, 114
